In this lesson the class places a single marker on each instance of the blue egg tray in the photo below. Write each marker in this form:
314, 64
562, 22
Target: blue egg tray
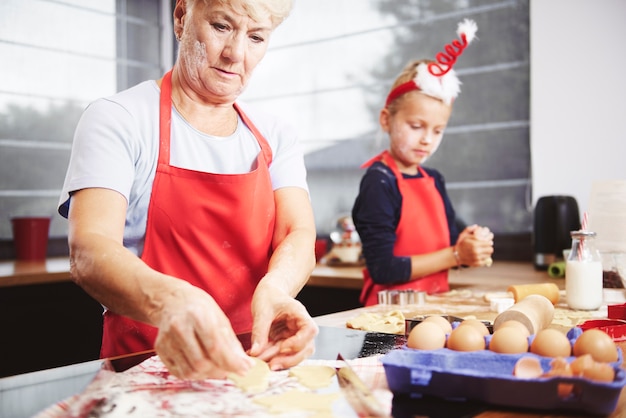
486, 376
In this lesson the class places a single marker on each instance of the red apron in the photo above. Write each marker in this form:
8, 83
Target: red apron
423, 228
212, 230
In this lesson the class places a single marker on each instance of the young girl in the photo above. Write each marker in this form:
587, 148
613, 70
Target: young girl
403, 215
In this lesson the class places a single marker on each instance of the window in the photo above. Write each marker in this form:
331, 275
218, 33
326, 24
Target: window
329, 73
57, 56
326, 72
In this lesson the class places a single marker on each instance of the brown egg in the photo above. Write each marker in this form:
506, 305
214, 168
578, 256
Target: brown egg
560, 367
600, 372
426, 336
479, 325
441, 321
508, 340
528, 368
466, 338
517, 325
597, 343
585, 366
550, 342
582, 363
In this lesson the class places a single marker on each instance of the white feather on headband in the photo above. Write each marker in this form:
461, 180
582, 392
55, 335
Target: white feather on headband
469, 28
438, 79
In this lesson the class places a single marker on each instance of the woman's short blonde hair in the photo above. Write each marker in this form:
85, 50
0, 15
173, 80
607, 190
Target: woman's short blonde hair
278, 9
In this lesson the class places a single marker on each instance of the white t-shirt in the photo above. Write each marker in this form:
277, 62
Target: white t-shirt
116, 146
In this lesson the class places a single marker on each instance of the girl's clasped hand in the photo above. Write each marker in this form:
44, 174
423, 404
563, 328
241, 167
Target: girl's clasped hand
475, 246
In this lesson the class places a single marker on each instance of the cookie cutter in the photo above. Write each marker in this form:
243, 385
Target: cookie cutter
401, 297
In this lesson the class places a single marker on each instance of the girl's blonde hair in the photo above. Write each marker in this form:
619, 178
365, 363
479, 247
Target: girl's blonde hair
408, 73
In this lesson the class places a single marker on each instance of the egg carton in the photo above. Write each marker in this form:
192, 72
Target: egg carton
487, 376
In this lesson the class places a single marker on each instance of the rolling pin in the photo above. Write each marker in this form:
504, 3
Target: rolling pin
520, 291
534, 311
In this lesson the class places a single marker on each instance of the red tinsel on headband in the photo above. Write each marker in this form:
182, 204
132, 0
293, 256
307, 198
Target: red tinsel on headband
438, 79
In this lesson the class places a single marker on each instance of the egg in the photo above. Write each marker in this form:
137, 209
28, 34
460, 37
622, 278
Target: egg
478, 325
550, 342
517, 325
585, 366
426, 336
508, 340
441, 321
528, 368
581, 363
597, 343
561, 368
466, 338
600, 372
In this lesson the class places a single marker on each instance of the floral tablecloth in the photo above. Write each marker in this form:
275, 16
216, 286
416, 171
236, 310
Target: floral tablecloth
149, 390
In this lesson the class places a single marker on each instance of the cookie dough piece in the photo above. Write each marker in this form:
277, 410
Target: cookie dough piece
390, 322
312, 376
296, 400
256, 380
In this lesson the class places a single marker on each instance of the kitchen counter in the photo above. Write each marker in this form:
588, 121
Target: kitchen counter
20, 273
337, 288
41, 307
53, 270
501, 273
468, 287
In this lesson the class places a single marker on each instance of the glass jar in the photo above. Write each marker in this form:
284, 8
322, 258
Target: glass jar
583, 273
613, 269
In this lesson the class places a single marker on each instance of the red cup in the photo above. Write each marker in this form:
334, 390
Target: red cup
30, 236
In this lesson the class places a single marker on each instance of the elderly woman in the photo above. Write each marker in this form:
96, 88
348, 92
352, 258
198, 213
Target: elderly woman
189, 214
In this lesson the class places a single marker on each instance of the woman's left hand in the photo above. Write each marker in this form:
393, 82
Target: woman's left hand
283, 332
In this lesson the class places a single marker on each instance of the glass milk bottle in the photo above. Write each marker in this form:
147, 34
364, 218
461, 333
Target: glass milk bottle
583, 272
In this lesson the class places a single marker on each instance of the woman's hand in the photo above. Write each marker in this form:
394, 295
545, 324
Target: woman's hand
283, 332
195, 339
475, 246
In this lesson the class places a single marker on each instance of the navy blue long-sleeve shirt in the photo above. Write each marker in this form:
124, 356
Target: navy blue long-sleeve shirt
376, 214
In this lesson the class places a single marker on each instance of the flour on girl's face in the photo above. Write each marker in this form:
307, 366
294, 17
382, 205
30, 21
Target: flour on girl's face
416, 130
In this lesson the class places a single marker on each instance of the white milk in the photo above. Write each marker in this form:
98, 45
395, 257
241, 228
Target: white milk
583, 284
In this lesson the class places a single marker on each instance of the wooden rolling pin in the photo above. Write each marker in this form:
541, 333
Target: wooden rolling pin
520, 291
534, 311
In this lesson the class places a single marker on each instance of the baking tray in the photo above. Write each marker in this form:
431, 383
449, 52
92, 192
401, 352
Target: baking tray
488, 377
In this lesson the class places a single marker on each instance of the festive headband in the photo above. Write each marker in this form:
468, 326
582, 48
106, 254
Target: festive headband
438, 79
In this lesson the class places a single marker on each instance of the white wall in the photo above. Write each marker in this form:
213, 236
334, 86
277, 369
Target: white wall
578, 95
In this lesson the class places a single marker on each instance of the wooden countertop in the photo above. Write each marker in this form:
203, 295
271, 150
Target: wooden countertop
500, 274
469, 289
14, 273
19, 273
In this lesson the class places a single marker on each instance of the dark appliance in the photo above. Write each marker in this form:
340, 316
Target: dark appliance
554, 218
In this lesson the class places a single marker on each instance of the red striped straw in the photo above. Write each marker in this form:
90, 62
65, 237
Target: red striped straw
582, 239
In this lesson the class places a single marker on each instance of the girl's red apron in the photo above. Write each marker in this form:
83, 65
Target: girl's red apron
423, 228
212, 230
